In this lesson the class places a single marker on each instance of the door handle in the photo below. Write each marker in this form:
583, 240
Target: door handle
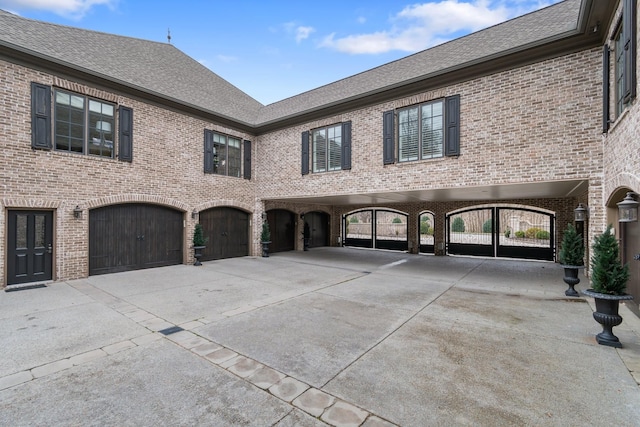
49, 249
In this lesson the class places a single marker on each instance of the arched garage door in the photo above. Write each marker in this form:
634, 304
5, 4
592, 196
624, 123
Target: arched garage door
134, 236
228, 233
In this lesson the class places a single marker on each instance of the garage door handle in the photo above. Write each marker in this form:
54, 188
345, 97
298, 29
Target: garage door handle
140, 237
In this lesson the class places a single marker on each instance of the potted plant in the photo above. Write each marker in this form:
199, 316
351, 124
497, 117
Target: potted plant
306, 235
265, 238
609, 282
199, 242
571, 257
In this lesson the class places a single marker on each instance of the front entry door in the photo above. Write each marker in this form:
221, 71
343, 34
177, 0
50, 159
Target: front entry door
30, 246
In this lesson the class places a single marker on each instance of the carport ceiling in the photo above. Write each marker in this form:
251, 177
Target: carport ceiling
534, 190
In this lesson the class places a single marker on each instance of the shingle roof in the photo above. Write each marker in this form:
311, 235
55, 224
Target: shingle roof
520, 32
159, 68
162, 69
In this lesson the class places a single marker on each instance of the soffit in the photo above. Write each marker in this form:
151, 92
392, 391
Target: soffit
534, 190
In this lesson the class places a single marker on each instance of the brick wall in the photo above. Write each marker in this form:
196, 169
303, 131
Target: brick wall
536, 123
167, 169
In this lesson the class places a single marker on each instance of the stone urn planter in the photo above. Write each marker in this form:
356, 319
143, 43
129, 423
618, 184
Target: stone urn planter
199, 242
609, 282
607, 315
265, 239
571, 257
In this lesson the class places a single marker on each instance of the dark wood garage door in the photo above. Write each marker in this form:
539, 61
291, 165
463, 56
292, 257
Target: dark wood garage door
228, 233
318, 228
283, 230
134, 236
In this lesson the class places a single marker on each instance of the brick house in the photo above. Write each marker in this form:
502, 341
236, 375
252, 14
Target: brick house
114, 148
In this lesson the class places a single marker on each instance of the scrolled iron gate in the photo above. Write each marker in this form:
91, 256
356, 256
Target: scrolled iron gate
507, 232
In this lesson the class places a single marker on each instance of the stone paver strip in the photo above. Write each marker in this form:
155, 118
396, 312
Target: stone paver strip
139, 315
314, 401
191, 325
342, 414
288, 389
156, 324
119, 346
265, 377
245, 367
187, 339
51, 368
204, 349
239, 310
228, 363
374, 421
146, 339
87, 357
220, 356
15, 379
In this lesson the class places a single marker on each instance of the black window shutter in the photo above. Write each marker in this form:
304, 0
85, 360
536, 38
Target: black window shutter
346, 145
452, 126
305, 152
247, 159
40, 116
388, 138
125, 137
605, 88
629, 34
208, 151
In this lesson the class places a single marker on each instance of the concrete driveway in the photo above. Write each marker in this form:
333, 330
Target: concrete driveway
336, 336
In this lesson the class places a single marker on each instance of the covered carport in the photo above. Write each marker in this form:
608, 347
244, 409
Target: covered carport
555, 199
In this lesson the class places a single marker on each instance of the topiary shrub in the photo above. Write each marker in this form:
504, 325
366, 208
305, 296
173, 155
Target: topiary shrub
396, 220
520, 234
198, 236
458, 225
608, 275
572, 250
265, 236
487, 227
507, 233
353, 219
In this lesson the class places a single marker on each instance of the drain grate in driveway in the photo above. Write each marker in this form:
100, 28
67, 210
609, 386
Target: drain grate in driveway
171, 330
23, 288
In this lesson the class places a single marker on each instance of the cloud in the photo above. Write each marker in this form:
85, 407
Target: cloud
73, 9
299, 32
420, 26
303, 33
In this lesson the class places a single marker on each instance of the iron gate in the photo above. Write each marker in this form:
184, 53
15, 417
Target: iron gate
508, 232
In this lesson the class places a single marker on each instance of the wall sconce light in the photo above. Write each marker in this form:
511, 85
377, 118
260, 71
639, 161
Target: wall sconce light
302, 215
194, 214
77, 212
264, 216
628, 208
581, 213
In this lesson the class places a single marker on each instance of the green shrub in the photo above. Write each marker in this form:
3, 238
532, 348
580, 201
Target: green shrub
265, 236
487, 227
531, 232
572, 250
458, 225
198, 236
543, 235
396, 220
507, 233
608, 275
520, 234
353, 219
425, 229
